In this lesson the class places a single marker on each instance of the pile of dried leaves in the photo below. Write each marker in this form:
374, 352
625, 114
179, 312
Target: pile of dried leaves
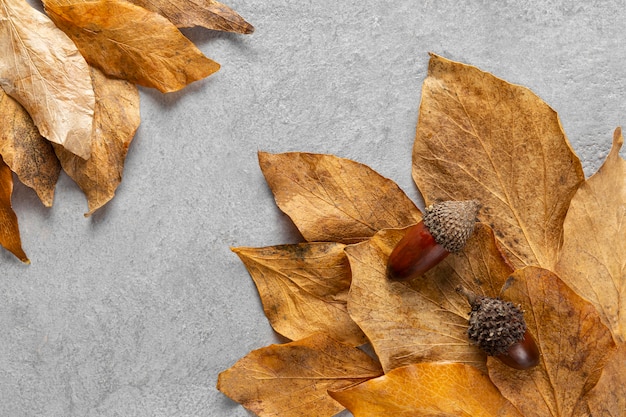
548, 240
68, 95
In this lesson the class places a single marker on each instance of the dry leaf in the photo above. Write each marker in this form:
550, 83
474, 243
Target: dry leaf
115, 122
293, 379
427, 389
594, 254
25, 151
424, 320
206, 13
304, 288
335, 199
42, 69
574, 346
479, 137
9, 230
129, 42
608, 397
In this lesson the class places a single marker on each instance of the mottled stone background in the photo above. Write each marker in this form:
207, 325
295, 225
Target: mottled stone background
135, 311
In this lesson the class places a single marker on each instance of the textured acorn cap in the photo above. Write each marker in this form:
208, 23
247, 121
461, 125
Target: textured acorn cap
451, 222
495, 325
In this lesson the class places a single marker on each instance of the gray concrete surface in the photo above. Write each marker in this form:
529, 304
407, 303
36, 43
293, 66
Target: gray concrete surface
135, 311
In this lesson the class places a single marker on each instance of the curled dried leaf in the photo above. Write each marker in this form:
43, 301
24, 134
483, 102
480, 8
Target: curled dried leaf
304, 289
479, 137
26, 152
293, 379
9, 230
335, 199
42, 69
129, 42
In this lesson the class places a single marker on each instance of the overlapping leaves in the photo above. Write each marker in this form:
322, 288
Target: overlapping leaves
67, 89
549, 241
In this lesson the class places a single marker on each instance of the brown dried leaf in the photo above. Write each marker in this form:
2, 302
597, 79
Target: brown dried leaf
304, 289
608, 397
425, 319
206, 13
9, 230
293, 379
25, 151
573, 342
42, 69
427, 389
479, 137
593, 255
115, 122
335, 199
129, 42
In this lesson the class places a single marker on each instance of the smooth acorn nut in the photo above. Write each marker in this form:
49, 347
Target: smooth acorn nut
499, 329
444, 229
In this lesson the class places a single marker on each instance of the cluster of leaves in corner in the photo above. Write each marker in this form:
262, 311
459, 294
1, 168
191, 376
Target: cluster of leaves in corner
68, 94
548, 240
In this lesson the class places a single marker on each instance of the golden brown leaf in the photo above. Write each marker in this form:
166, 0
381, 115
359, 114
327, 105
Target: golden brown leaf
593, 255
292, 379
129, 42
206, 13
25, 151
42, 69
304, 289
574, 346
479, 137
427, 389
335, 199
425, 319
115, 122
9, 230
608, 397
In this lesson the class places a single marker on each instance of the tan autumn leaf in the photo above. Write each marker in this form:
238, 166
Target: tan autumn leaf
115, 122
304, 289
608, 397
25, 151
593, 257
129, 42
42, 69
335, 199
425, 319
573, 342
293, 379
206, 13
427, 389
479, 137
9, 230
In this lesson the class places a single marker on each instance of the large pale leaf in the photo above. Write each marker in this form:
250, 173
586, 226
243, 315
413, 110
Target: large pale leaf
593, 257
573, 342
424, 319
304, 289
206, 13
335, 199
42, 69
115, 122
293, 379
427, 389
608, 397
25, 151
9, 230
479, 137
129, 42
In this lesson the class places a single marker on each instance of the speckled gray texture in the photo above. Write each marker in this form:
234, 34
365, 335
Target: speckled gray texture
135, 311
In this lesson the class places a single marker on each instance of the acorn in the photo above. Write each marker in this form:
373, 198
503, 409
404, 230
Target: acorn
444, 229
499, 329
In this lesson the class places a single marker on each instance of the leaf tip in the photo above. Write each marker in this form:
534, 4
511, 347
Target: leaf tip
618, 139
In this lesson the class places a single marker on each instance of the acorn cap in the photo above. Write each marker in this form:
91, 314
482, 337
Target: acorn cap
495, 325
451, 222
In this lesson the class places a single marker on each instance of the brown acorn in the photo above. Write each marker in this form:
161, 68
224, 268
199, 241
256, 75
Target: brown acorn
444, 229
499, 329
